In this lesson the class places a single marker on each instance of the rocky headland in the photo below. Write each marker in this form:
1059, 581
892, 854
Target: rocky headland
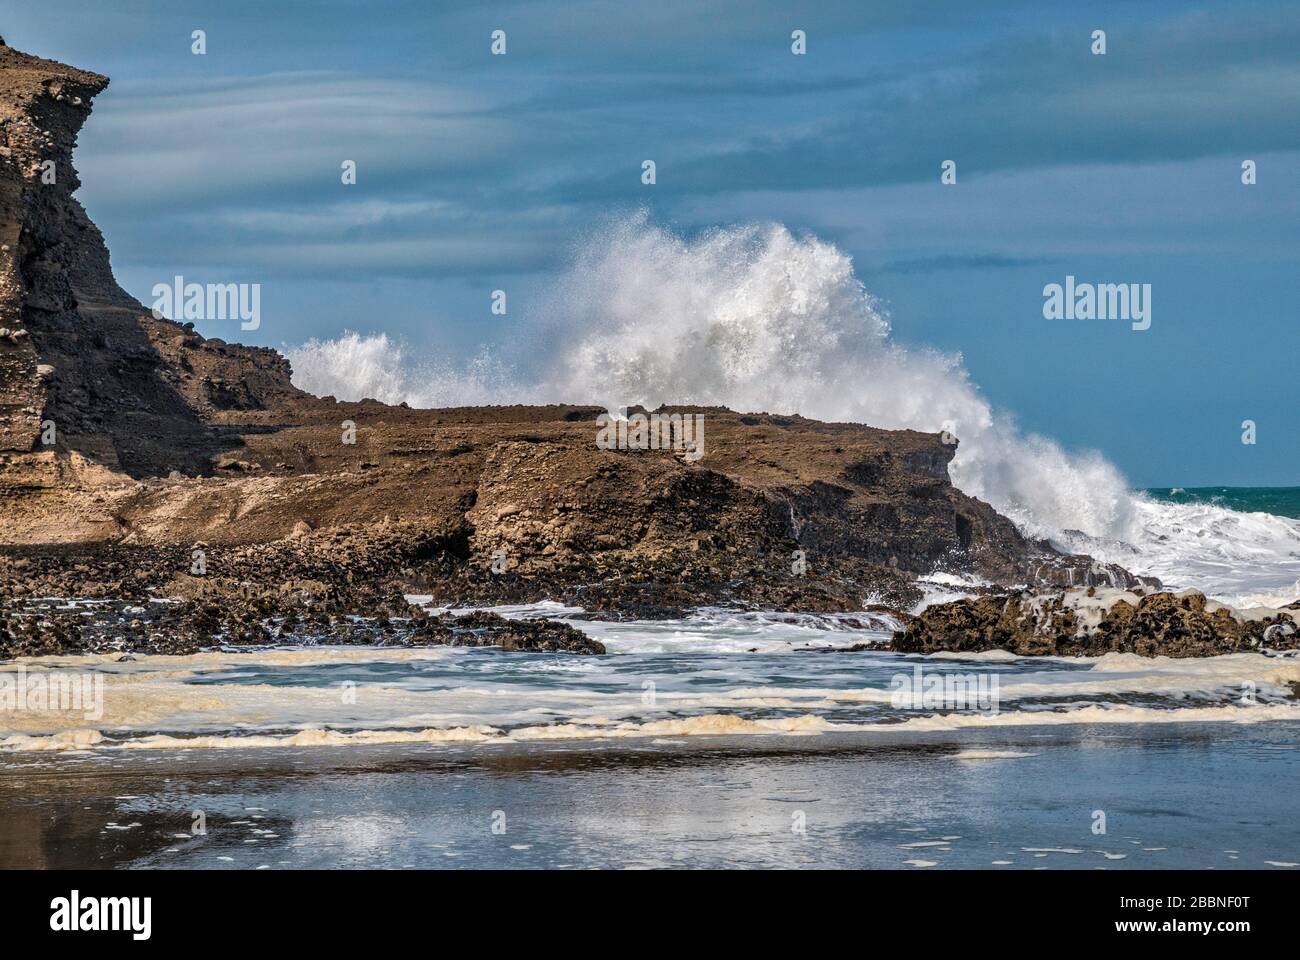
186, 483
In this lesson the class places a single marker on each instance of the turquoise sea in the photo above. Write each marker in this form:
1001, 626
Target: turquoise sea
1279, 501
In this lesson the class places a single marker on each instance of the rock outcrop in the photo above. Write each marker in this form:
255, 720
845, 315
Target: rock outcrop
36, 628
1095, 621
119, 388
128, 441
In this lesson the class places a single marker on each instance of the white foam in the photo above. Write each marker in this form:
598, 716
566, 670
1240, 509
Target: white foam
940, 587
452, 694
602, 729
1243, 559
711, 629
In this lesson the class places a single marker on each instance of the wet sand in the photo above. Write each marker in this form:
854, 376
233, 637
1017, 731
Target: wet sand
1174, 795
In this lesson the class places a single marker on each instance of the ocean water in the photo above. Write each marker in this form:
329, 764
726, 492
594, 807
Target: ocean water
1239, 545
1279, 501
720, 739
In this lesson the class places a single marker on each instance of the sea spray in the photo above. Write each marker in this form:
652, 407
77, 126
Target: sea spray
756, 318
355, 366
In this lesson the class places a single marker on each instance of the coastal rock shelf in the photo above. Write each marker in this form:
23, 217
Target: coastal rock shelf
142, 461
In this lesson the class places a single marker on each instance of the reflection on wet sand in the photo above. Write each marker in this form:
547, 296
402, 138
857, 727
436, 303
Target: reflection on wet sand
836, 801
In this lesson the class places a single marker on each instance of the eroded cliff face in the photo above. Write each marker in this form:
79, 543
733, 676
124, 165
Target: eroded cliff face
162, 437
120, 388
42, 106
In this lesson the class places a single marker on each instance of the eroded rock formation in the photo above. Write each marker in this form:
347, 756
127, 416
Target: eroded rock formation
163, 439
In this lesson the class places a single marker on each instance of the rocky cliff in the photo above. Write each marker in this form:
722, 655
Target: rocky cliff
121, 389
121, 432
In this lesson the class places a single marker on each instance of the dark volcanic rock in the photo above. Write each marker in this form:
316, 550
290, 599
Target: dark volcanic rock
47, 629
483, 629
341, 588
1091, 623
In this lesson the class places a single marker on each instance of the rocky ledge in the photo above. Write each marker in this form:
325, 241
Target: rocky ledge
1098, 620
58, 628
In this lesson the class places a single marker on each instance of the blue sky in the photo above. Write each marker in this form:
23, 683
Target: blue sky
479, 172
